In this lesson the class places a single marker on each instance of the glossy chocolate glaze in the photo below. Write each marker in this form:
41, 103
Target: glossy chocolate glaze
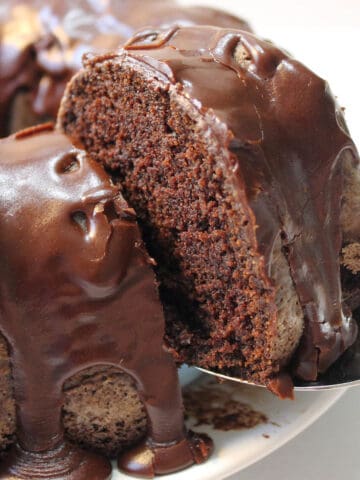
77, 289
287, 140
42, 44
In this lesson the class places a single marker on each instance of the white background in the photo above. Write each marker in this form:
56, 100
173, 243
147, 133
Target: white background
325, 35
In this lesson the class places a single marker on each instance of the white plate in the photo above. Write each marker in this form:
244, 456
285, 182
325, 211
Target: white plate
236, 450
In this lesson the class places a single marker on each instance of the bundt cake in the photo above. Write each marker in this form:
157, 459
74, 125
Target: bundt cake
234, 157
102, 410
78, 291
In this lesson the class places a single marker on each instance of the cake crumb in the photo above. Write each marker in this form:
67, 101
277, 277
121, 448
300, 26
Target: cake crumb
211, 405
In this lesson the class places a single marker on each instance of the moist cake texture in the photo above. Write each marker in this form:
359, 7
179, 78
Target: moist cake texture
210, 134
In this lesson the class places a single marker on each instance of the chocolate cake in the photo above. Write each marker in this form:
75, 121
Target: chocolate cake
238, 164
42, 45
78, 292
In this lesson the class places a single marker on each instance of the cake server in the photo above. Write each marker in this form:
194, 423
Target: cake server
344, 373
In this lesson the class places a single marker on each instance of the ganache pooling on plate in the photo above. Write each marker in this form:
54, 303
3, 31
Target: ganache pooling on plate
77, 290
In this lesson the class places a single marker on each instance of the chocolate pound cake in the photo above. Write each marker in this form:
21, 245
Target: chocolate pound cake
78, 292
234, 156
41, 46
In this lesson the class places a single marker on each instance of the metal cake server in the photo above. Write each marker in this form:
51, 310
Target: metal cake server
344, 373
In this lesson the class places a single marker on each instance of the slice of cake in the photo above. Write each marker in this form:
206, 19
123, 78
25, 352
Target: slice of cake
78, 292
233, 155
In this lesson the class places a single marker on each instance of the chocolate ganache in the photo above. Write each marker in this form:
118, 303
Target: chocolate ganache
289, 142
42, 44
76, 290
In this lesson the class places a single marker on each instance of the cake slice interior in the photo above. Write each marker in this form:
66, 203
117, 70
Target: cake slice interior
222, 311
